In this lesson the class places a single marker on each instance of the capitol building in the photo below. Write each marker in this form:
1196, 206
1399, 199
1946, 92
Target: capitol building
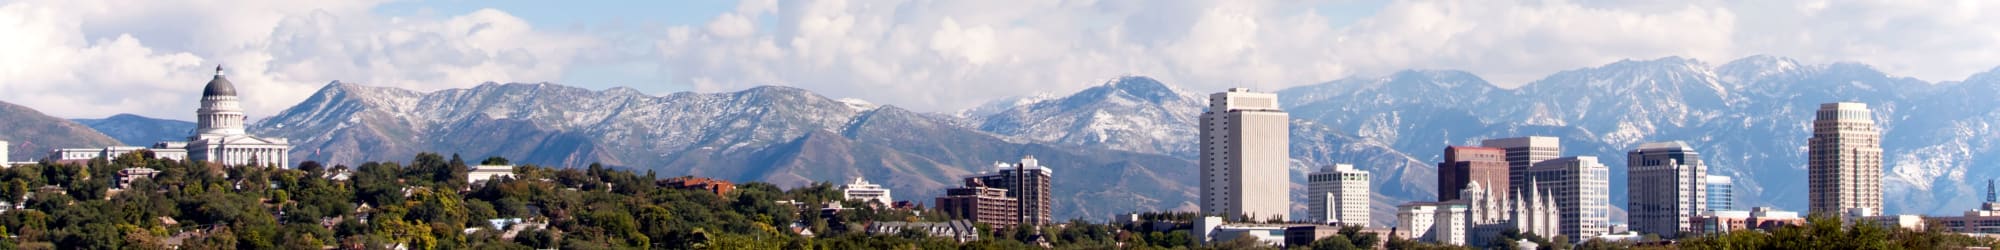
219, 136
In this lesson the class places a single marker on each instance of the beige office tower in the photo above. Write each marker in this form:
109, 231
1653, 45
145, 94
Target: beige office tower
1522, 153
1844, 159
1245, 150
1338, 194
3, 154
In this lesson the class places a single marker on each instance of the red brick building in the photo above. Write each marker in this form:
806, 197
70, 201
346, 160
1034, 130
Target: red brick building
1464, 164
981, 204
719, 187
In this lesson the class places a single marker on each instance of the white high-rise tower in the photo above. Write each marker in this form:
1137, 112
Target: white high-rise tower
1245, 150
1580, 187
1338, 194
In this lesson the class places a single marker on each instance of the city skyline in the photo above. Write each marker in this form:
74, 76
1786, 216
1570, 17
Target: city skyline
899, 124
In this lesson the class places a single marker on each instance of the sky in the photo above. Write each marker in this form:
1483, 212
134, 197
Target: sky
96, 58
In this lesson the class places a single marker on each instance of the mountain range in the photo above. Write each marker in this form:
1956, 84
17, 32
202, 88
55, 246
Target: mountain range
133, 129
1122, 146
31, 134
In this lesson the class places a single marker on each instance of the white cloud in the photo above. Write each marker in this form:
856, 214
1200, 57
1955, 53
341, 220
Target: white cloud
95, 58
942, 55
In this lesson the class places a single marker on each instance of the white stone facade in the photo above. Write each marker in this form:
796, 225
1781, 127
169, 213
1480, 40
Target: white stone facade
1488, 215
1338, 194
219, 137
861, 190
1580, 187
1245, 156
483, 173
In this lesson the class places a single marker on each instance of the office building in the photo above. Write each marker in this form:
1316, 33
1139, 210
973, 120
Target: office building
1581, 189
866, 192
961, 231
1758, 218
1844, 159
1524, 152
1211, 229
1028, 182
1667, 184
482, 173
981, 204
1436, 222
1418, 218
1982, 221
1464, 165
1245, 152
1721, 193
715, 186
1338, 194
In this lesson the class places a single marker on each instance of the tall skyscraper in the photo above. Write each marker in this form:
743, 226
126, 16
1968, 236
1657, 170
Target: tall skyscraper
1028, 183
1721, 193
1245, 150
1844, 159
1581, 189
1338, 194
1463, 165
1524, 152
3, 153
1668, 185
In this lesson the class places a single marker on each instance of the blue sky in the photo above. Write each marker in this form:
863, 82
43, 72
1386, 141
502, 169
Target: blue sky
150, 57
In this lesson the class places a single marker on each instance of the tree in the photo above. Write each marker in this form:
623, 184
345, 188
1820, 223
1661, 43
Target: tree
1242, 241
496, 160
1336, 242
15, 190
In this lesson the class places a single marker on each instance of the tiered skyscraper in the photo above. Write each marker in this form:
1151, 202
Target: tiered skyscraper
1581, 188
1028, 183
1464, 165
1844, 159
1338, 194
1524, 152
1245, 149
1668, 185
